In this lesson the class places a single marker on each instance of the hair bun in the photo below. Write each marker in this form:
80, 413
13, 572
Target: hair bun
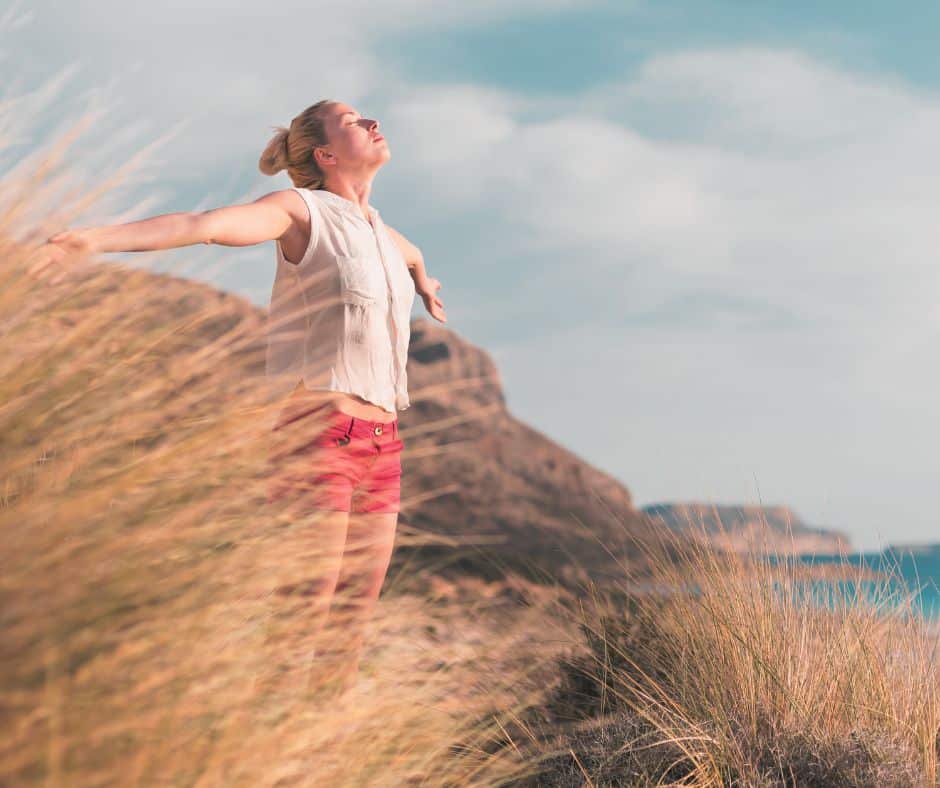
274, 157
292, 148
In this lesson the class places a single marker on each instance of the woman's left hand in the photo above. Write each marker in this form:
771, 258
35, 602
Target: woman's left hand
432, 303
53, 260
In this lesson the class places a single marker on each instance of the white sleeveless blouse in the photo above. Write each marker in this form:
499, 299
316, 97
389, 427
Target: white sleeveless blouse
340, 318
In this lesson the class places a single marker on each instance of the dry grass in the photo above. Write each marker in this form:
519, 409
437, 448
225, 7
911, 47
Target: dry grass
145, 638
142, 626
142, 640
738, 678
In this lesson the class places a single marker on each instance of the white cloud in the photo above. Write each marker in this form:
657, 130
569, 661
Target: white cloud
457, 135
831, 230
731, 244
772, 270
232, 71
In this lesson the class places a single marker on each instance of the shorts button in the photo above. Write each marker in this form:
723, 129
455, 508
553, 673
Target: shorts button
378, 429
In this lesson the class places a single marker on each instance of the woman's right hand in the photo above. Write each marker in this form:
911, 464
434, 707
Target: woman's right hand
50, 256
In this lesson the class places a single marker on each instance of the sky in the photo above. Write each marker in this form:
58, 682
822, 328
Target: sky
699, 239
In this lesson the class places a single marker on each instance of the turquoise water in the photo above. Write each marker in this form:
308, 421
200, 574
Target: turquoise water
914, 572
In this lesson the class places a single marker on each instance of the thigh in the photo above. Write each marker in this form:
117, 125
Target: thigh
370, 537
300, 569
370, 540
305, 555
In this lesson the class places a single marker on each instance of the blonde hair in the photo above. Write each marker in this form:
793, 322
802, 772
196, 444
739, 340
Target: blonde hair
291, 149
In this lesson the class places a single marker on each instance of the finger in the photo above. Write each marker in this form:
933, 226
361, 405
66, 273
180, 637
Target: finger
37, 268
44, 258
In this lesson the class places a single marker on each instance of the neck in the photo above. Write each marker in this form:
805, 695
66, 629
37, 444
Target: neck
355, 188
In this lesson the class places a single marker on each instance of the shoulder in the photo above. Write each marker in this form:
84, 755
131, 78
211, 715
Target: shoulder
292, 200
299, 203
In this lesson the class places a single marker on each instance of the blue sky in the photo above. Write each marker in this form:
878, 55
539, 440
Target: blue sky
699, 238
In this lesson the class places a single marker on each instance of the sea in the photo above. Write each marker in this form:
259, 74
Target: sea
913, 573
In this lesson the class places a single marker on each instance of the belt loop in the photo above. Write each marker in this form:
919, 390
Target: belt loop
349, 429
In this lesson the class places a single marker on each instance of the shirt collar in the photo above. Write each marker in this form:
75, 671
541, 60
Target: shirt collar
342, 203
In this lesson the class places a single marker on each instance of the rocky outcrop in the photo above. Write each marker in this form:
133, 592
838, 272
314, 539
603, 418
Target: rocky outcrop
474, 472
769, 528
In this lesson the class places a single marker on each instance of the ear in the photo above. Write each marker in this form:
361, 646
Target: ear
323, 157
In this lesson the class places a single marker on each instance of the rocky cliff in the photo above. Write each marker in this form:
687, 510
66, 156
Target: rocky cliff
472, 470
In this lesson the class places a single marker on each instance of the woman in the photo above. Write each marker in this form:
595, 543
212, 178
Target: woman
345, 358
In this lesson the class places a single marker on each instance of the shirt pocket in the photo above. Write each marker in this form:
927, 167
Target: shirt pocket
359, 279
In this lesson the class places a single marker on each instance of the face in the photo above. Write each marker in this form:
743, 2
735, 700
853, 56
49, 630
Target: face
355, 141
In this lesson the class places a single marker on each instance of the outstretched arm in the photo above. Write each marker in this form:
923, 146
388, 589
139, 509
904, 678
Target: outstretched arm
265, 219
413, 258
425, 285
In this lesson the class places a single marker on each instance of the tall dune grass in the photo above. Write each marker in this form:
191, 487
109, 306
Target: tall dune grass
143, 638
723, 670
148, 633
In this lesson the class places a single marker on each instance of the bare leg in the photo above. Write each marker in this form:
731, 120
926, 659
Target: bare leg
307, 556
366, 557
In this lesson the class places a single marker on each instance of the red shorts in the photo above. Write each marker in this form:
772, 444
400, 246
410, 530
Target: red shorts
327, 459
